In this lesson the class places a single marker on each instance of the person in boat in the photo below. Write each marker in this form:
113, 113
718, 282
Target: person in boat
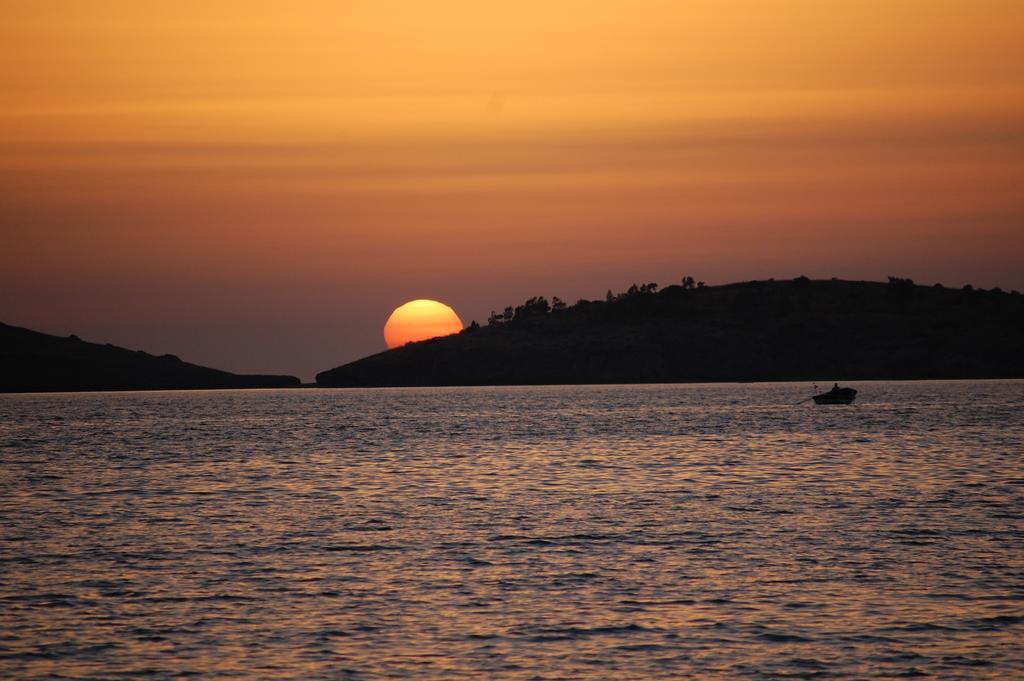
835, 387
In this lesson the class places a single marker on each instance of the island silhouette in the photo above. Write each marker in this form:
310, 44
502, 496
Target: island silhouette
771, 330
797, 329
31, 361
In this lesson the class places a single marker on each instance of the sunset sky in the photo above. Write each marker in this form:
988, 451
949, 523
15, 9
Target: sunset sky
257, 185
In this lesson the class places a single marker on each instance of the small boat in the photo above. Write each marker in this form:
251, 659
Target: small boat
836, 395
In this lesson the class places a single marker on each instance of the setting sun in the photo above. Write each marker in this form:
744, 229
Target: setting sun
419, 320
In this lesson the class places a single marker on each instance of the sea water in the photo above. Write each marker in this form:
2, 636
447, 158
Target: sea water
602, 532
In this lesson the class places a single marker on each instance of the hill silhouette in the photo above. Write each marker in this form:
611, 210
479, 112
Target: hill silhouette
752, 331
31, 361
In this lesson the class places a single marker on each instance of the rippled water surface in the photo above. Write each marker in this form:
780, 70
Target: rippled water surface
715, 531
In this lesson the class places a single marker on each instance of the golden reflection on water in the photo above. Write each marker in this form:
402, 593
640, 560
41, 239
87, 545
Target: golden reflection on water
602, 532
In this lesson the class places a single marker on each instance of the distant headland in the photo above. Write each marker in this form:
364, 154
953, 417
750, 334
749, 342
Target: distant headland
752, 331
31, 361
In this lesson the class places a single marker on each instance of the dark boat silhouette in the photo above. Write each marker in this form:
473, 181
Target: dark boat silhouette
836, 395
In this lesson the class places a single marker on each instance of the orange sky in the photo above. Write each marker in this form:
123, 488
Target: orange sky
257, 185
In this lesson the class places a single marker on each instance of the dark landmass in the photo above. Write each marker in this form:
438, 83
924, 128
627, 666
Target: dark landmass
753, 331
37, 362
